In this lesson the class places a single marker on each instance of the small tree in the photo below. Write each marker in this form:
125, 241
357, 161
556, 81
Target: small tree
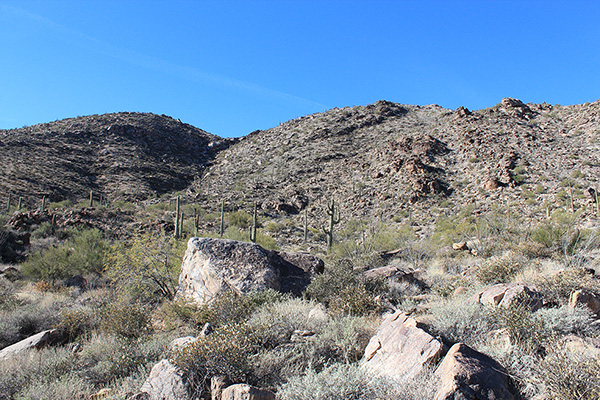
146, 264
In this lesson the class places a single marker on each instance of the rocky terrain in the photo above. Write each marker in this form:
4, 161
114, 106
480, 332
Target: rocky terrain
121, 155
400, 252
380, 159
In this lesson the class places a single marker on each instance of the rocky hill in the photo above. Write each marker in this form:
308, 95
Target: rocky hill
130, 155
386, 159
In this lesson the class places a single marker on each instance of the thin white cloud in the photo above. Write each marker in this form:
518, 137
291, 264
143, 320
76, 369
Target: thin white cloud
135, 58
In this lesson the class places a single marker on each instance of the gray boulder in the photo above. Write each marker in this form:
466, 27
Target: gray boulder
466, 374
37, 341
165, 382
213, 266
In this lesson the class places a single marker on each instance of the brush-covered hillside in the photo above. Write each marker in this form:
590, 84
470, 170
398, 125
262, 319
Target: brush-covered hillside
388, 160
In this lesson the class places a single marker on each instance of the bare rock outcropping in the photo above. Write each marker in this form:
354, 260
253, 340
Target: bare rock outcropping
214, 266
400, 349
466, 374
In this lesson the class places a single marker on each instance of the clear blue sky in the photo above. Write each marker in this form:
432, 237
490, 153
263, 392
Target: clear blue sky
231, 67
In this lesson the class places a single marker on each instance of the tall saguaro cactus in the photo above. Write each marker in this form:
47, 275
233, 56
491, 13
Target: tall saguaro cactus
334, 219
253, 227
9, 201
177, 218
222, 218
306, 225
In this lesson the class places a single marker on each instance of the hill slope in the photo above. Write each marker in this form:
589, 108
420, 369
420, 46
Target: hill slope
134, 155
384, 159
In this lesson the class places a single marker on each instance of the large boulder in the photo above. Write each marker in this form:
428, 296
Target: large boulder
213, 266
165, 382
400, 349
505, 295
466, 374
37, 341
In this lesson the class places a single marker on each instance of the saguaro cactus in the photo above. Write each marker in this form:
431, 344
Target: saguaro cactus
222, 218
43, 203
91, 198
9, 201
20, 203
253, 227
306, 225
334, 219
177, 219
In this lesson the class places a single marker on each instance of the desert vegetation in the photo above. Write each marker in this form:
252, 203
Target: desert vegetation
504, 263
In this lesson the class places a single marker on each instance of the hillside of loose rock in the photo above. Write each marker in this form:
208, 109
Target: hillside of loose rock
120, 155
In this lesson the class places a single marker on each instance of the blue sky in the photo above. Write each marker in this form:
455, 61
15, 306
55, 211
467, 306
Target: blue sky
231, 67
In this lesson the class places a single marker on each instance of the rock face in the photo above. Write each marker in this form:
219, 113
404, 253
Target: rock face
213, 266
584, 298
165, 382
400, 349
505, 295
242, 391
36, 341
466, 374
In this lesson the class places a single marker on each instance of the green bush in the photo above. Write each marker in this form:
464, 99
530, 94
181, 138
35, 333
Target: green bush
122, 318
501, 269
83, 253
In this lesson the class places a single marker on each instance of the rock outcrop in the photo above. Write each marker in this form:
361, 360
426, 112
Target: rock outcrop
400, 349
214, 266
505, 295
585, 298
466, 374
37, 341
165, 382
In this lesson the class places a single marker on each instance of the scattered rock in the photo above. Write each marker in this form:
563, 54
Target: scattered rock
11, 273
180, 343
213, 266
242, 391
217, 384
165, 382
505, 295
207, 329
318, 313
466, 374
102, 394
37, 341
400, 349
77, 281
460, 246
585, 298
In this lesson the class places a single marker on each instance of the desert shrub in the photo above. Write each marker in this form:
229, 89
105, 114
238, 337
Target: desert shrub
26, 320
126, 319
231, 308
83, 253
558, 287
571, 375
146, 265
566, 320
525, 329
241, 219
106, 358
350, 382
354, 300
77, 321
22, 373
68, 386
501, 269
8, 300
461, 320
